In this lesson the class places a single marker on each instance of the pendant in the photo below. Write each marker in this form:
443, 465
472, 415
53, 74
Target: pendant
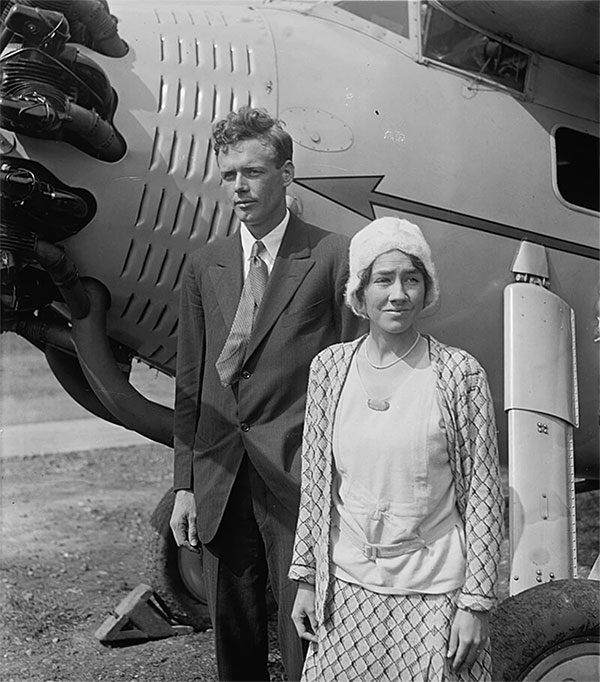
378, 405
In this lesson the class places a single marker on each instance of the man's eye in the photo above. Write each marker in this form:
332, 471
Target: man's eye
227, 177
253, 173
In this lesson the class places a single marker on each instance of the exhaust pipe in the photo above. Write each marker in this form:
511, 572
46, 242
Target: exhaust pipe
88, 301
113, 390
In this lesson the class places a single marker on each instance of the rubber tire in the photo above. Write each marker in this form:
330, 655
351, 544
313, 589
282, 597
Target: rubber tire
163, 570
531, 625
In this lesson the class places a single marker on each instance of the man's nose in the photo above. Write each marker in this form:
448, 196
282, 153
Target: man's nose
240, 183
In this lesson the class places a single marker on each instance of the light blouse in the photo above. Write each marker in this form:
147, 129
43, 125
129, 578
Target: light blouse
393, 482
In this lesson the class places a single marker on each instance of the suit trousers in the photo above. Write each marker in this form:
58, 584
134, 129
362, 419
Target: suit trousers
252, 546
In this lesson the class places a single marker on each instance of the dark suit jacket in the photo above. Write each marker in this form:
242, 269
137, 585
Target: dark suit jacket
302, 312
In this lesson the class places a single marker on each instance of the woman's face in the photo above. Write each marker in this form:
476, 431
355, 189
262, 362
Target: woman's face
395, 293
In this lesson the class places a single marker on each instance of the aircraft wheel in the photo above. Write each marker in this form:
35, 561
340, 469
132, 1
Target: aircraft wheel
549, 632
175, 573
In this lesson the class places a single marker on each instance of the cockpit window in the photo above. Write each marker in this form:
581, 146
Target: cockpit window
448, 41
392, 16
577, 164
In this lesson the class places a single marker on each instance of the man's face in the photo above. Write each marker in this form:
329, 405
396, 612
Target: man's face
255, 185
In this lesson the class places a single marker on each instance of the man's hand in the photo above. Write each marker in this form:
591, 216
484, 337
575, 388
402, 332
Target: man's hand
183, 521
303, 610
469, 634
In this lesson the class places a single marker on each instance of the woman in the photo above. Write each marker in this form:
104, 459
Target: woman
398, 537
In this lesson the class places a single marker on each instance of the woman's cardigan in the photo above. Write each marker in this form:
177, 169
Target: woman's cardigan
468, 416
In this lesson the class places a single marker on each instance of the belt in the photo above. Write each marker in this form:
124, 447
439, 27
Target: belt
422, 539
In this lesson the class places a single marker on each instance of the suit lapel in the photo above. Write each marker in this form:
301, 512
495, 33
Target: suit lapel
291, 266
226, 277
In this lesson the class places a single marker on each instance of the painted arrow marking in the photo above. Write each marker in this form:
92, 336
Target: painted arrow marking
358, 193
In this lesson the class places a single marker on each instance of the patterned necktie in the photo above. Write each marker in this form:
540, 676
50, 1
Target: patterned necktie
231, 359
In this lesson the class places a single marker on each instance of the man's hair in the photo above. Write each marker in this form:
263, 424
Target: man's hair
247, 124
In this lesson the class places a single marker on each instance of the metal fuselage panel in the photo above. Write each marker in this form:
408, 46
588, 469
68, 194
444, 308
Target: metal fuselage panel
356, 104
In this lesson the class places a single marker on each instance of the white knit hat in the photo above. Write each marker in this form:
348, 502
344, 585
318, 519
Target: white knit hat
380, 236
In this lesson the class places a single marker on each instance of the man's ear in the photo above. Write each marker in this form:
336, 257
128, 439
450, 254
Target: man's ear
287, 173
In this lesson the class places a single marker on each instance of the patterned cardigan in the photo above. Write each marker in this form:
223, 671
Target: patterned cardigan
468, 416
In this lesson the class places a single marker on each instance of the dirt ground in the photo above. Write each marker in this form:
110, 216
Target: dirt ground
73, 535
73, 542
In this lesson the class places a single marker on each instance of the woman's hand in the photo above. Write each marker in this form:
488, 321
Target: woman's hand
469, 634
303, 610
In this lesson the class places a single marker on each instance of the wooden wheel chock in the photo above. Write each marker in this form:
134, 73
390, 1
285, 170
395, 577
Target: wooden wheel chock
139, 617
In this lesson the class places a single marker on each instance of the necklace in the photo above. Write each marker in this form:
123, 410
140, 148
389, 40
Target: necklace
393, 362
381, 404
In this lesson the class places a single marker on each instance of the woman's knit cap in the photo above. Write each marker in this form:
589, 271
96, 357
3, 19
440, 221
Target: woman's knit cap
383, 235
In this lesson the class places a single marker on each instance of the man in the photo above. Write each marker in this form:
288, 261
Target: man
256, 307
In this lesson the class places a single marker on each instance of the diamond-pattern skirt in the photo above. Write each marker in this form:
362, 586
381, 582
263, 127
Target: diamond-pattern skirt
367, 636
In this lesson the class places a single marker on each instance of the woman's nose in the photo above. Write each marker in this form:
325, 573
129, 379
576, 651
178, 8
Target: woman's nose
397, 292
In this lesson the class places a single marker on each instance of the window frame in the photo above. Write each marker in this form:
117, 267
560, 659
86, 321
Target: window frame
554, 159
525, 94
407, 46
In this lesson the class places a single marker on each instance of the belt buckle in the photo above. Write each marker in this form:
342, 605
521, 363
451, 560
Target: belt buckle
370, 552
419, 542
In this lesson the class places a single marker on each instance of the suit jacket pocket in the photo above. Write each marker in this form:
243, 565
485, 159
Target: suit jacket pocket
294, 318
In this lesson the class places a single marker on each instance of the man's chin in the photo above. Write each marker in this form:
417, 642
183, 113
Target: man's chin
240, 215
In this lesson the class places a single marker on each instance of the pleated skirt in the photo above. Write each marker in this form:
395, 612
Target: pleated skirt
367, 636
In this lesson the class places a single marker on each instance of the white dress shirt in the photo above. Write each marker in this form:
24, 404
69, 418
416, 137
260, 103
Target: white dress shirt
272, 242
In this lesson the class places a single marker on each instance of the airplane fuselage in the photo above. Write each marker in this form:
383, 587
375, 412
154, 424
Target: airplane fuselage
474, 165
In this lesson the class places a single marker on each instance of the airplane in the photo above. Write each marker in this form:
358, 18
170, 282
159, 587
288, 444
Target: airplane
476, 120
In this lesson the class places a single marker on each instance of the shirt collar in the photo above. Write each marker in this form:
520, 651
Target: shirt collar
272, 240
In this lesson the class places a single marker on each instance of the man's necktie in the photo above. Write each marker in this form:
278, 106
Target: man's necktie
231, 358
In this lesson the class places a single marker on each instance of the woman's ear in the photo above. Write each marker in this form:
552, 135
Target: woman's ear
359, 304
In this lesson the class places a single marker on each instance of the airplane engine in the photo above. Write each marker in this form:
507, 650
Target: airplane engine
54, 93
